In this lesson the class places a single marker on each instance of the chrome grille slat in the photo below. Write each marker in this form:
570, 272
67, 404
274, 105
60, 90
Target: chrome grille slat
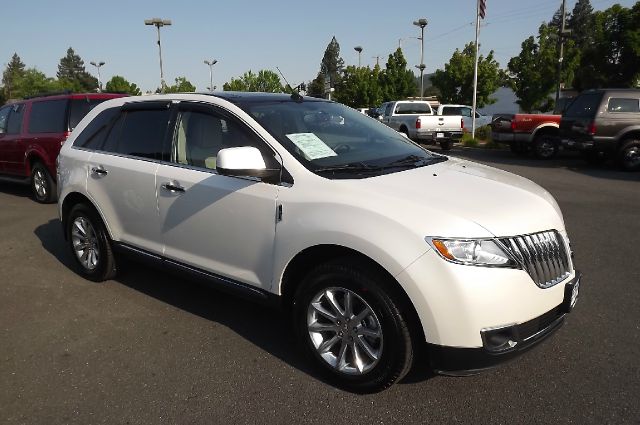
543, 255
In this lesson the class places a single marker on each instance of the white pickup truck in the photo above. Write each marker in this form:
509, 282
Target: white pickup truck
417, 120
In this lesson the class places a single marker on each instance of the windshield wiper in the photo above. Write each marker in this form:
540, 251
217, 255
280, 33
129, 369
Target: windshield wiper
411, 160
351, 167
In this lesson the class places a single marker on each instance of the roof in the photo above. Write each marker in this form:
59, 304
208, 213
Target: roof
253, 97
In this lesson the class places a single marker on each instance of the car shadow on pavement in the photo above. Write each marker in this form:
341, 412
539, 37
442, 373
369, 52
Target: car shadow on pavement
268, 328
570, 160
14, 188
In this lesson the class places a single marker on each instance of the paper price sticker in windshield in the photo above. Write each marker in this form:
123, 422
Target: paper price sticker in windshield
311, 145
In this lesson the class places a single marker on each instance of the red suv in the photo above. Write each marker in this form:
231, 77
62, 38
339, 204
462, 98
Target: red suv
32, 132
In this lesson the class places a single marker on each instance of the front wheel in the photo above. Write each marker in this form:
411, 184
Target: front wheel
629, 155
352, 328
446, 145
42, 185
90, 244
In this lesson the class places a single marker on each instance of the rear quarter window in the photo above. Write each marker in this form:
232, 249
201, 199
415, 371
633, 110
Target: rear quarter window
80, 108
621, 105
48, 116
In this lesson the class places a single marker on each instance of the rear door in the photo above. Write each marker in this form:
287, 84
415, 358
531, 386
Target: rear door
46, 129
221, 224
11, 149
121, 174
576, 120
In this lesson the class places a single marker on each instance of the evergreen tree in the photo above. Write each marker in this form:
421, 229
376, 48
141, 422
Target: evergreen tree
331, 68
397, 81
581, 23
72, 73
11, 77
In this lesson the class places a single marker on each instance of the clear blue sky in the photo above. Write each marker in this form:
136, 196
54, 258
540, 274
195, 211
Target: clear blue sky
255, 35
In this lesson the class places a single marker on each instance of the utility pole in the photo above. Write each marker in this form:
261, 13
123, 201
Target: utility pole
422, 22
158, 23
562, 34
480, 13
377, 58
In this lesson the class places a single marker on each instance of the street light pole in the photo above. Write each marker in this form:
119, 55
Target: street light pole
211, 63
422, 22
564, 32
157, 22
359, 50
98, 65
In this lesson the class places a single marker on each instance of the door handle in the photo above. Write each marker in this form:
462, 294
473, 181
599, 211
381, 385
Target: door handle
99, 171
172, 186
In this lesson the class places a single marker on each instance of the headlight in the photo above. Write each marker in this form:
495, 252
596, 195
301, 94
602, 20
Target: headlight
475, 252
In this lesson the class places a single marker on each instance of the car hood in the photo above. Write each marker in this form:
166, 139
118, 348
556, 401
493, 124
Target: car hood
459, 198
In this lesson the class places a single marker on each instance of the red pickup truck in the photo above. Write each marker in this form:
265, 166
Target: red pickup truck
527, 132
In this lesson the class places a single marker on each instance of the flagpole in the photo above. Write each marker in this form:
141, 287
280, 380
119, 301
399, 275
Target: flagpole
475, 73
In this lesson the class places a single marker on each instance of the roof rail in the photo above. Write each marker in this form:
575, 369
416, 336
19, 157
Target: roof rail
47, 94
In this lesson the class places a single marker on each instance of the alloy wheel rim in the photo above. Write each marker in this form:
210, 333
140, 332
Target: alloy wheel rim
344, 331
85, 243
545, 148
39, 183
632, 157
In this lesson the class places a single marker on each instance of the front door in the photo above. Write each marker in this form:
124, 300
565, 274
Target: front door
224, 225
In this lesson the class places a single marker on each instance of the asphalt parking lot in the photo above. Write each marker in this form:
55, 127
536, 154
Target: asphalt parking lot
151, 348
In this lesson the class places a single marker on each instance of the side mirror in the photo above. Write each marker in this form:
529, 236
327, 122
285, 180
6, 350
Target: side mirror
245, 161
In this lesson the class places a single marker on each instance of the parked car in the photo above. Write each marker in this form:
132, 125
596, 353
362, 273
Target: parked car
465, 112
605, 124
417, 120
31, 133
527, 132
374, 245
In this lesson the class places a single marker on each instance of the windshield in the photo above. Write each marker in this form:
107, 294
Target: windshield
334, 140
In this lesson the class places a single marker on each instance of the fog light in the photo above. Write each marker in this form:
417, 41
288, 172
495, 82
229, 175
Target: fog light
497, 340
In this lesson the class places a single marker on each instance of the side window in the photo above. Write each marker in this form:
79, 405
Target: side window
201, 134
139, 133
623, 105
14, 125
80, 108
388, 110
94, 134
48, 116
4, 115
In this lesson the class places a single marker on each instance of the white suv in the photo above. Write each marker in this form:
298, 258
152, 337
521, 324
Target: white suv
374, 245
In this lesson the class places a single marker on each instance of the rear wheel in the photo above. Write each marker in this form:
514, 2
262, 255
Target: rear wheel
42, 185
89, 244
545, 146
352, 327
629, 155
446, 145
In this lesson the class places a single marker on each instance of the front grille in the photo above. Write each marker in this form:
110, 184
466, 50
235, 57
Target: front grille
543, 255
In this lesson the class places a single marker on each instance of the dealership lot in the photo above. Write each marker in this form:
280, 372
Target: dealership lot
151, 348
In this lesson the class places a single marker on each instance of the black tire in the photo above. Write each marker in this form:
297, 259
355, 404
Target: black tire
545, 146
446, 145
628, 156
395, 345
404, 131
43, 187
105, 263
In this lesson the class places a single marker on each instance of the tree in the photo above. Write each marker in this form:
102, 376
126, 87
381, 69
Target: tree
613, 57
11, 76
397, 81
581, 23
331, 68
455, 83
72, 74
532, 73
182, 85
118, 84
317, 87
358, 87
34, 82
264, 81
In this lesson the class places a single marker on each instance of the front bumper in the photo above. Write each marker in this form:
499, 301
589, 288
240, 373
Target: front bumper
503, 343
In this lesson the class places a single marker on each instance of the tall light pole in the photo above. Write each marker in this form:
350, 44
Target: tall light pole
359, 50
564, 33
422, 22
211, 63
158, 23
98, 65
